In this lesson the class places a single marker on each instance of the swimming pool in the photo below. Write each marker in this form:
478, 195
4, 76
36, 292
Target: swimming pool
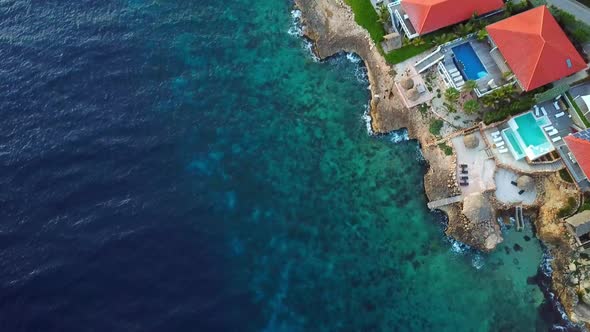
513, 145
468, 62
528, 137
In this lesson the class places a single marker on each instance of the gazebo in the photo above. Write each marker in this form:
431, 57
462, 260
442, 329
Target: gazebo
471, 141
525, 182
407, 83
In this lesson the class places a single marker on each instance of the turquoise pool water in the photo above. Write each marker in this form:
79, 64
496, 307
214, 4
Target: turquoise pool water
515, 148
529, 135
529, 130
469, 63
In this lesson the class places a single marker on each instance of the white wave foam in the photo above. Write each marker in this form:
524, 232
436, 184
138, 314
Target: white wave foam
458, 247
367, 119
352, 57
295, 29
478, 261
399, 136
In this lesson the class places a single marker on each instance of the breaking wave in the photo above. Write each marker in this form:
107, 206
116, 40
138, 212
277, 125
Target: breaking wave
296, 29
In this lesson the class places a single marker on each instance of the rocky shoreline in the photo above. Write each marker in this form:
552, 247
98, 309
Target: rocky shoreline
330, 25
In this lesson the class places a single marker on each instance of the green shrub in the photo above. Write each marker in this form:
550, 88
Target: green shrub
406, 52
568, 208
436, 126
565, 176
508, 109
446, 149
577, 29
366, 16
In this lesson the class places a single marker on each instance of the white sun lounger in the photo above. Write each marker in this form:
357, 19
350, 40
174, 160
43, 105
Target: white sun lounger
453, 70
495, 134
556, 105
503, 150
552, 132
497, 139
556, 139
543, 111
500, 144
548, 128
559, 115
537, 111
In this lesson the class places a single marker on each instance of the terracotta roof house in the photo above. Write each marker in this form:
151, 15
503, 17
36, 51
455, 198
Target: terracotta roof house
579, 146
535, 48
419, 17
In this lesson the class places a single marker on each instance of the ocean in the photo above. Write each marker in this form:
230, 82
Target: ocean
176, 165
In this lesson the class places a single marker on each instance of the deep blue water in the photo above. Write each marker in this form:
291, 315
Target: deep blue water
470, 63
189, 166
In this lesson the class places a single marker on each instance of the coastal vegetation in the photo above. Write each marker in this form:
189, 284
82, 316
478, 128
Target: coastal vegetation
565, 176
447, 150
568, 209
471, 106
435, 127
505, 102
366, 16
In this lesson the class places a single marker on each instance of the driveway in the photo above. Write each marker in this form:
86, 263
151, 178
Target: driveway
580, 11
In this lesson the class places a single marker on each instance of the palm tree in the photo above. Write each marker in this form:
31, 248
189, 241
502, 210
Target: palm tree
471, 106
452, 95
481, 35
469, 86
418, 41
464, 29
383, 15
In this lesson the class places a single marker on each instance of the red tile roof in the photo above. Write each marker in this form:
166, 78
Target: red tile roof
536, 49
430, 15
580, 148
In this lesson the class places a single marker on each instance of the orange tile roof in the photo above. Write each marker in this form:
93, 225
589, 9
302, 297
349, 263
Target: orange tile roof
580, 148
536, 49
430, 15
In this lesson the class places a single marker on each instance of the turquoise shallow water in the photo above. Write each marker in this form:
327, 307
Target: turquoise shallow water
327, 226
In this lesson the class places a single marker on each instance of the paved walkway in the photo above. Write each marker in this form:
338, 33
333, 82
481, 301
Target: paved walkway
580, 11
445, 201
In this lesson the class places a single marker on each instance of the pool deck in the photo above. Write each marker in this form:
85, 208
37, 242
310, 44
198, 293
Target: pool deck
507, 193
482, 49
506, 160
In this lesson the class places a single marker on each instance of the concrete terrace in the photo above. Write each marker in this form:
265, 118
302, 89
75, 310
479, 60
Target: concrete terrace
480, 166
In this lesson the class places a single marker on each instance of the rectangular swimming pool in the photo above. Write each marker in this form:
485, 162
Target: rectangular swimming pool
468, 62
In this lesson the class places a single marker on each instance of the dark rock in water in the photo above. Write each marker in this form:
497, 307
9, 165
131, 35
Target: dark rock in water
515, 261
416, 264
507, 250
532, 280
516, 247
370, 306
527, 238
410, 256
